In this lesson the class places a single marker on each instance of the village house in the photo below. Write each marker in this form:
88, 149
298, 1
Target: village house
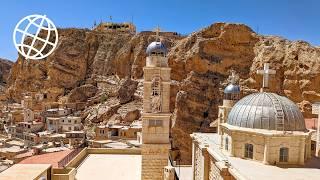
63, 124
30, 127
118, 131
75, 138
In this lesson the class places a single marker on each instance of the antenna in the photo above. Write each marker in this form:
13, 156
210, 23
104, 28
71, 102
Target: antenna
132, 19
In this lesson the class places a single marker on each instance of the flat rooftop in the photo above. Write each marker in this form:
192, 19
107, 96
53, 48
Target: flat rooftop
110, 166
49, 158
24, 171
184, 172
250, 169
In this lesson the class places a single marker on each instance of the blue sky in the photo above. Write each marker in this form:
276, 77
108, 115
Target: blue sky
292, 19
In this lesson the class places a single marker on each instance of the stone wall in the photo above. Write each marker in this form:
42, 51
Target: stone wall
154, 159
206, 166
198, 163
266, 148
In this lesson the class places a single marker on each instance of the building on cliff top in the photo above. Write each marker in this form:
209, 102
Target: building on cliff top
115, 27
261, 136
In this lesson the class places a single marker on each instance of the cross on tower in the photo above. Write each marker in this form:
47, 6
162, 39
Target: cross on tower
233, 77
157, 33
265, 73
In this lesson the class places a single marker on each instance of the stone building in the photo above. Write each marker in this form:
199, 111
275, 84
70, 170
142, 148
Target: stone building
116, 27
156, 112
118, 131
27, 127
71, 123
258, 136
28, 115
64, 123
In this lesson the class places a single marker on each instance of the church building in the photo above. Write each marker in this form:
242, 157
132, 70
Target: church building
261, 136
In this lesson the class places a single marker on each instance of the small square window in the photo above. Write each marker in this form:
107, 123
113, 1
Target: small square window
155, 123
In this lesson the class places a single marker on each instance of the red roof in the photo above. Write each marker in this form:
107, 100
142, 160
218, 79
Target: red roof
48, 158
311, 123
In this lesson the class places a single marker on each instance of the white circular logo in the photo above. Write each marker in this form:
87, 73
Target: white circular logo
35, 37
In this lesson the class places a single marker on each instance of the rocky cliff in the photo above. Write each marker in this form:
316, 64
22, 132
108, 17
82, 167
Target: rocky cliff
5, 66
200, 62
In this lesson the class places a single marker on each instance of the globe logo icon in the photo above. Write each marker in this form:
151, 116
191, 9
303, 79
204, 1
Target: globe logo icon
35, 37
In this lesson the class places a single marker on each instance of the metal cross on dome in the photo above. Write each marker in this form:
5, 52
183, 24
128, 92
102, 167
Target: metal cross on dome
265, 73
233, 77
157, 33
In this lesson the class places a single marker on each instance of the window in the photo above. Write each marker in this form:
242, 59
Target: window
156, 81
69, 128
284, 152
226, 145
156, 94
155, 123
248, 151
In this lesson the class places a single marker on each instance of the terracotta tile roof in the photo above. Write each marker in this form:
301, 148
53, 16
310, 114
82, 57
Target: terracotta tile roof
48, 158
311, 123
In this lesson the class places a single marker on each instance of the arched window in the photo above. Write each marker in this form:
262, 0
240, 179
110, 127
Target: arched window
156, 94
284, 153
156, 82
226, 145
248, 151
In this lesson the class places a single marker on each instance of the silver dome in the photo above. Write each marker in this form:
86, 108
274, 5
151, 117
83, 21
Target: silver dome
156, 47
262, 111
232, 89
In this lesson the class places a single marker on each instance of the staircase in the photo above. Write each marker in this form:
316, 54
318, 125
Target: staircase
279, 112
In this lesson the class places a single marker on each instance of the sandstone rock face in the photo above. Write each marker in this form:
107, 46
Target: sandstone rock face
80, 55
5, 66
127, 90
196, 106
66, 68
217, 48
82, 93
200, 62
131, 115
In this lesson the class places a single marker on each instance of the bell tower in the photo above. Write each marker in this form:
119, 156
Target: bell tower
231, 96
156, 112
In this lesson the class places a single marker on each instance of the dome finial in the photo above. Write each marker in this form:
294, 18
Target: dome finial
265, 73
